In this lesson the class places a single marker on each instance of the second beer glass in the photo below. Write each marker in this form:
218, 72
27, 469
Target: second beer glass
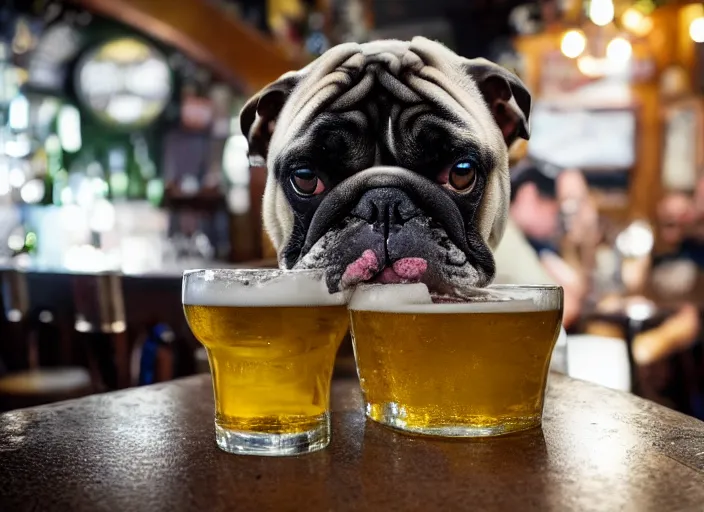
455, 366
271, 338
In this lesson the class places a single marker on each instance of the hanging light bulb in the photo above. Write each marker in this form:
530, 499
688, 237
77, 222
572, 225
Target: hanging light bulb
601, 12
573, 43
696, 30
619, 50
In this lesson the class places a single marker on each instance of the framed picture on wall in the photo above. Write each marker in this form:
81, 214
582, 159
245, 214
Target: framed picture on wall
683, 144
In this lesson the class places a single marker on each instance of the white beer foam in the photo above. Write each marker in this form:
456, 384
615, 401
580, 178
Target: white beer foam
213, 288
416, 298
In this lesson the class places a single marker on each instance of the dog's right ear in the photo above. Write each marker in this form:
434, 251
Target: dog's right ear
259, 114
506, 95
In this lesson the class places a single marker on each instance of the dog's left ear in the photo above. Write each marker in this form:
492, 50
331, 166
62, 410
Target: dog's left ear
506, 95
258, 116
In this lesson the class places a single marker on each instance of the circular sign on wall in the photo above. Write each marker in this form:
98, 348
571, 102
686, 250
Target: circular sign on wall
124, 82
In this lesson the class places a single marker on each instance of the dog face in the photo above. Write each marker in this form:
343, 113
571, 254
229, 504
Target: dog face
388, 161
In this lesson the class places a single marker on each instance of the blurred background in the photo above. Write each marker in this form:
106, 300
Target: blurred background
122, 164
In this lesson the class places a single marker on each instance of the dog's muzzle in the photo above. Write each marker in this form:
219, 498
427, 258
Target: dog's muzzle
387, 196
386, 207
389, 224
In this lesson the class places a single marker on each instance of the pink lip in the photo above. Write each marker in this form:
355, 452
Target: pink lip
362, 269
366, 267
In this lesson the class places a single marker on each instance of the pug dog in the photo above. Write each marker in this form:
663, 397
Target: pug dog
388, 162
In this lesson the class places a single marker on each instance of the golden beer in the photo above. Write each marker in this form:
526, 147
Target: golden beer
271, 348
455, 369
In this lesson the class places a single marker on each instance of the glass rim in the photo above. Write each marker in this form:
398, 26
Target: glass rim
314, 271
546, 287
249, 272
258, 287
517, 287
511, 298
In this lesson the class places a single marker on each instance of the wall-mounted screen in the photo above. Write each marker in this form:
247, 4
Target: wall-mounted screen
583, 138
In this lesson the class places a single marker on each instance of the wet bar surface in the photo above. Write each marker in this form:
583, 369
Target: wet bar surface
153, 448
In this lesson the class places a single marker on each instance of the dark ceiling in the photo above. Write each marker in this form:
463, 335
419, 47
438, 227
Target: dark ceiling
475, 24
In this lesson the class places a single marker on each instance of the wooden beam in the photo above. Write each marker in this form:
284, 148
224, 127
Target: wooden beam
205, 33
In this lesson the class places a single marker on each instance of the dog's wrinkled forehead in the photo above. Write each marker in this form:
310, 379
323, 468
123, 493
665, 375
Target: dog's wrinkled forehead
411, 72
490, 102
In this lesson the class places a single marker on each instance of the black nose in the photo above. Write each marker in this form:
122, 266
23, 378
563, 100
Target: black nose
387, 205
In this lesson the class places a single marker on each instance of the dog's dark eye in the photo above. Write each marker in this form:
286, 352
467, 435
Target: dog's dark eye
306, 183
462, 175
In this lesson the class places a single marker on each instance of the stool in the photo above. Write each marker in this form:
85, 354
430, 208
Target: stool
26, 384
100, 320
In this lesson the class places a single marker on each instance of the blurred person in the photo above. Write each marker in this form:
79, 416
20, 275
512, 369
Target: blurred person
680, 228
675, 212
699, 198
517, 262
534, 208
672, 272
693, 244
532, 248
552, 211
580, 221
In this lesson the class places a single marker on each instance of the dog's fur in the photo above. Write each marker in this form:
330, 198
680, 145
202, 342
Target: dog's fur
381, 125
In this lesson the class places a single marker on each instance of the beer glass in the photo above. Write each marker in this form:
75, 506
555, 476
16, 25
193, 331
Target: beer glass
465, 366
271, 338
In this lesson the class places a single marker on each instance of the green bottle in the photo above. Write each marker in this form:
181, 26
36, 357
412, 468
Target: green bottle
137, 188
54, 170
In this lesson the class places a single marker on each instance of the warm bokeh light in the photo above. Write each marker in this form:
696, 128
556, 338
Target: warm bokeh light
601, 12
696, 30
636, 240
619, 50
588, 66
636, 22
126, 50
573, 43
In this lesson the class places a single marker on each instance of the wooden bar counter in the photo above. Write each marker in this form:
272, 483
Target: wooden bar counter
153, 448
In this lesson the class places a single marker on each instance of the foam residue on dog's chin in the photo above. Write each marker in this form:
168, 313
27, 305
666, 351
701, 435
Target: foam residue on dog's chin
417, 298
284, 289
